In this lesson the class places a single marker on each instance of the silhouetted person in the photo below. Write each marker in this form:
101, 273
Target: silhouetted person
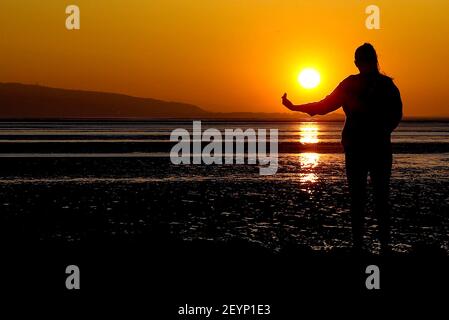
373, 108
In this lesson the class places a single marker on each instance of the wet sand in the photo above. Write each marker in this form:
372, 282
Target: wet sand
78, 201
144, 146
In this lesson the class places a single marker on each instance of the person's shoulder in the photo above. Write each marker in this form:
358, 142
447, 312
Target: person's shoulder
349, 81
352, 77
387, 81
386, 78
360, 77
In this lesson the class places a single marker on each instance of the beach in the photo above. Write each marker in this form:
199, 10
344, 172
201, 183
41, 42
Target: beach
84, 193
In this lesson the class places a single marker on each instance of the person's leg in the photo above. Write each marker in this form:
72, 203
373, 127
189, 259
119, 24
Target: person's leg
356, 172
380, 173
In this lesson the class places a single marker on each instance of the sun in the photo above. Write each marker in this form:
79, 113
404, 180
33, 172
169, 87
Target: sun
309, 78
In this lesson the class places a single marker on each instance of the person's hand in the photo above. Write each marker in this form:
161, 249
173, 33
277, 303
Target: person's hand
287, 102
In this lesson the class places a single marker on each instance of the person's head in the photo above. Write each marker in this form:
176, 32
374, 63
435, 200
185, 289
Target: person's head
366, 59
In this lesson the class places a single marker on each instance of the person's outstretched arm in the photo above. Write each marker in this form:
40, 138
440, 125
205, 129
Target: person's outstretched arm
331, 103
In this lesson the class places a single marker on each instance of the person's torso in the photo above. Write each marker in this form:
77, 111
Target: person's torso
365, 102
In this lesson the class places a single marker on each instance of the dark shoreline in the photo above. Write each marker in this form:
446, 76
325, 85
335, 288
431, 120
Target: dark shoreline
166, 275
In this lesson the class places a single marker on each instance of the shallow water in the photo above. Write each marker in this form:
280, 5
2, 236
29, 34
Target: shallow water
305, 203
407, 132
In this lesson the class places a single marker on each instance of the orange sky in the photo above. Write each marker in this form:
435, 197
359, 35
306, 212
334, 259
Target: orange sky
225, 55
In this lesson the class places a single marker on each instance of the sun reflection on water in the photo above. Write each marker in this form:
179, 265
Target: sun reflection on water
308, 134
308, 177
308, 161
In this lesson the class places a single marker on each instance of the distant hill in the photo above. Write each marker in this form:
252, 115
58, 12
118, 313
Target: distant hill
23, 101
32, 101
